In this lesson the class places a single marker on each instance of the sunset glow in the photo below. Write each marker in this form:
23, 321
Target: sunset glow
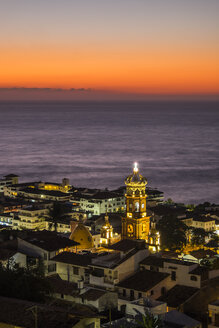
147, 54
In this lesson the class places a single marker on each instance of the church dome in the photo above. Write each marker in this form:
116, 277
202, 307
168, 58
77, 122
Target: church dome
82, 236
135, 177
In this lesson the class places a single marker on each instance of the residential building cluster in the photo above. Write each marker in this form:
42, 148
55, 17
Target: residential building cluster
103, 256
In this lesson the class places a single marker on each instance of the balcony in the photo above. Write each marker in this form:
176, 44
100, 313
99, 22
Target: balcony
95, 280
101, 281
110, 281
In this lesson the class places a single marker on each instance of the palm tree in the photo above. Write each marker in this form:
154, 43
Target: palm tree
149, 321
56, 213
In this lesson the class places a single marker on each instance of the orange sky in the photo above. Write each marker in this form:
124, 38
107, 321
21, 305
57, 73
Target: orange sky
147, 72
175, 63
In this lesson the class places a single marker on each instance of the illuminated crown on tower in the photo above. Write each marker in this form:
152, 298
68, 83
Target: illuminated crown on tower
135, 183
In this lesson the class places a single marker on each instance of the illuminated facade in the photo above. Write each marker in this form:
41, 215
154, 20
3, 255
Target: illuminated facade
63, 187
154, 237
106, 232
136, 224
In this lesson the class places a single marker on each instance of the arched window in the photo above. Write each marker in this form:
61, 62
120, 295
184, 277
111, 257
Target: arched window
137, 207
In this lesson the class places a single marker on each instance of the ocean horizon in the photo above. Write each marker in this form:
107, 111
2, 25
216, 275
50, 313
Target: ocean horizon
94, 144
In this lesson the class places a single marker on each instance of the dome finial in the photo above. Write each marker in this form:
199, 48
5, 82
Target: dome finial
106, 217
135, 169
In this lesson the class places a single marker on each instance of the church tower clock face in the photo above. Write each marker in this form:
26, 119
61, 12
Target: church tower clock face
136, 223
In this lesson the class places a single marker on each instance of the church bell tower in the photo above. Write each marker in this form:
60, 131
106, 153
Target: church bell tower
136, 224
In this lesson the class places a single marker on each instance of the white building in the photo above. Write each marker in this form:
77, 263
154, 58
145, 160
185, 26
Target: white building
6, 219
8, 180
144, 283
73, 267
31, 218
45, 245
204, 222
108, 270
181, 272
100, 202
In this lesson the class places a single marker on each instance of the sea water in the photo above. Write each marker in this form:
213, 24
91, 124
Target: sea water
94, 144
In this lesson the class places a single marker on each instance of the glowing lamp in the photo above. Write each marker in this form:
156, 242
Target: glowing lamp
135, 167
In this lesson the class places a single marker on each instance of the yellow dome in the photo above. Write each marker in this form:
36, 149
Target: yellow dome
82, 236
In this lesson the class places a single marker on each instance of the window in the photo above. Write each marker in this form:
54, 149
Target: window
173, 275
139, 295
75, 270
123, 308
87, 271
194, 278
31, 261
52, 267
137, 207
152, 292
124, 292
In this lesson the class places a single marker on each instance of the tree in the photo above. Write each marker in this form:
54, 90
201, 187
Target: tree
149, 321
56, 213
213, 242
215, 264
206, 263
145, 321
23, 283
201, 207
191, 207
198, 236
210, 264
173, 232
213, 236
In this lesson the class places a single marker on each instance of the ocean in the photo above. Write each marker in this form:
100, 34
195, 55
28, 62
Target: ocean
94, 144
